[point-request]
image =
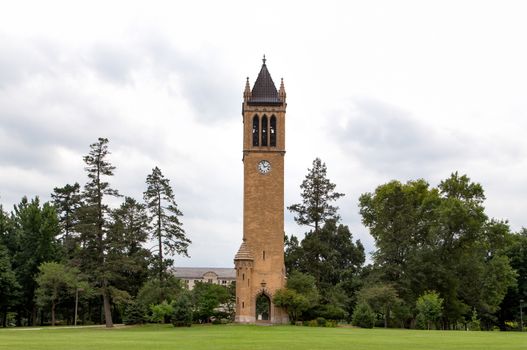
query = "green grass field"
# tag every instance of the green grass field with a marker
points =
(234, 337)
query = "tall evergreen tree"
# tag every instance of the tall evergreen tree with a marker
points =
(9, 286)
(317, 194)
(67, 201)
(8, 283)
(127, 257)
(36, 230)
(164, 216)
(94, 220)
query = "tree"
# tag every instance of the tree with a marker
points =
(8, 284)
(35, 241)
(161, 313)
(153, 292)
(516, 251)
(333, 259)
(363, 316)
(207, 299)
(127, 258)
(429, 307)
(317, 194)
(305, 285)
(292, 302)
(164, 216)
(382, 298)
(182, 315)
(94, 219)
(399, 217)
(67, 201)
(439, 239)
(55, 280)
(134, 313)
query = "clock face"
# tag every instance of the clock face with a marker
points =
(264, 167)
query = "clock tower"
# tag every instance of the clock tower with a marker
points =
(259, 262)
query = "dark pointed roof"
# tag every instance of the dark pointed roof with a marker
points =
(264, 91)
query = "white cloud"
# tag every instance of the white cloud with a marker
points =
(378, 90)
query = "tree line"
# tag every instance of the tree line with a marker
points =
(439, 260)
(78, 250)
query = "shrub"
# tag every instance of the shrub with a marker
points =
(474, 324)
(182, 312)
(363, 316)
(134, 313)
(321, 321)
(161, 312)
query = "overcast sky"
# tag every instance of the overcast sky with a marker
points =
(379, 90)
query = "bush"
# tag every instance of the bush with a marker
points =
(321, 321)
(474, 324)
(182, 314)
(161, 312)
(134, 313)
(363, 316)
(331, 324)
(332, 312)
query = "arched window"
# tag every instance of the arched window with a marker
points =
(272, 130)
(264, 130)
(256, 131)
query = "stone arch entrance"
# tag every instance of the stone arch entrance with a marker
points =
(263, 308)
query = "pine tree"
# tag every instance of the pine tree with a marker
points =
(36, 229)
(164, 216)
(94, 223)
(67, 201)
(317, 194)
(127, 257)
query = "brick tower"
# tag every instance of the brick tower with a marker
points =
(259, 262)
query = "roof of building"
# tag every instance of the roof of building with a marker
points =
(199, 272)
(264, 91)
(244, 253)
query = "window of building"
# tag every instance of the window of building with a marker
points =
(256, 131)
(264, 130)
(272, 131)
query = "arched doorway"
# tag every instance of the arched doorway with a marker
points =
(263, 308)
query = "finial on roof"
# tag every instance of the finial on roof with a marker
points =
(247, 91)
(281, 92)
(264, 59)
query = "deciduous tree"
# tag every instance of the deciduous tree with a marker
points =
(55, 281)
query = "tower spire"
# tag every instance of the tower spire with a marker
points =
(264, 59)
(247, 91)
(281, 92)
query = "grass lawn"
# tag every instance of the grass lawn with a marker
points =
(234, 337)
